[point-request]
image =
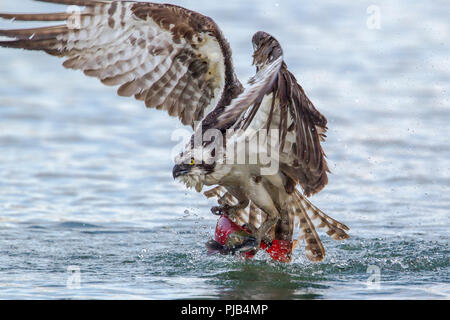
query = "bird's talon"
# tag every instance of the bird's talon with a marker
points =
(250, 227)
(218, 211)
(268, 240)
(227, 210)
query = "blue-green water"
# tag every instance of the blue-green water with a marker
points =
(85, 176)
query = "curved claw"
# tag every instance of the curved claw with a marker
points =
(225, 209)
(250, 228)
(268, 240)
(218, 211)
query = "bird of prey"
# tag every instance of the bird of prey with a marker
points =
(272, 101)
(178, 60)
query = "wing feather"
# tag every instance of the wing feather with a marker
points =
(75, 2)
(59, 16)
(145, 49)
(258, 86)
(275, 100)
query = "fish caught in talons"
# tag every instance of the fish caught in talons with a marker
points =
(232, 239)
(237, 242)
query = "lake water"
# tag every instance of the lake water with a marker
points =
(86, 182)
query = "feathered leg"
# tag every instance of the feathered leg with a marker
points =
(262, 199)
(231, 210)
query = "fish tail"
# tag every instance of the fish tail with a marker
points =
(215, 247)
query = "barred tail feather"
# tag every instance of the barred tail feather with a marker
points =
(314, 247)
(335, 229)
(299, 207)
(299, 210)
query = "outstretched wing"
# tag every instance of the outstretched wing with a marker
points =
(170, 57)
(281, 104)
(258, 86)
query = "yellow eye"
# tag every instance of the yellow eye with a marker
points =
(192, 162)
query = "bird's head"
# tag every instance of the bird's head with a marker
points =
(192, 170)
(266, 49)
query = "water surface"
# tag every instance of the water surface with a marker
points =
(85, 176)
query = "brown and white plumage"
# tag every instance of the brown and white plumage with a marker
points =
(178, 60)
(273, 101)
(303, 214)
(167, 56)
(301, 126)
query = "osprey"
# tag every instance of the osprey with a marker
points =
(178, 60)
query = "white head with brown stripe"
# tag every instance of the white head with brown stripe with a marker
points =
(200, 165)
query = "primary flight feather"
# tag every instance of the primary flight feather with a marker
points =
(178, 60)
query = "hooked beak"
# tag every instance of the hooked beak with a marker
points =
(180, 170)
